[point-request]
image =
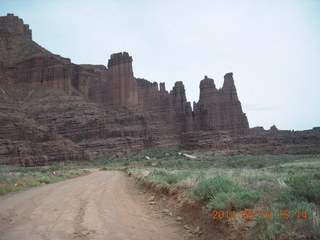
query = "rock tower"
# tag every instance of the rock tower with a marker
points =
(123, 86)
(11, 25)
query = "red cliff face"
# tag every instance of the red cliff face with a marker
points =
(105, 109)
(24, 142)
(24, 61)
(116, 86)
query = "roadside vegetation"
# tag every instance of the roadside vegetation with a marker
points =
(285, 190)
(13, 179)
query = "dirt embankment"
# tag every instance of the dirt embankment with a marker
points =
(193, 216)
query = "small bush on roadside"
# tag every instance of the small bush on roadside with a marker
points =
(13, 179)
(5, 188)
(45, 180)
(210, 187)
(33, 183)
(130, 171)
(164, 177)
(224, 194)
(240, 199)
(268, 229)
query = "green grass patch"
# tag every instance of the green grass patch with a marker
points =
(263, 183)
(306, 186)
(224, 194)
(164, 177)
(297, 226)
(13, 179)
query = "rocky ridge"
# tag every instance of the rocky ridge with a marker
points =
(100, 109)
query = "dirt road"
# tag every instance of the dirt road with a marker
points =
(98, 206)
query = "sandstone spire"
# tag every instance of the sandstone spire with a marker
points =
(219, 109)
(122, 84)
(229, 89)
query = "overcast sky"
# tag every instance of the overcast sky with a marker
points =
(271, 46)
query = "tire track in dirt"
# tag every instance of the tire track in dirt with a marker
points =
(98, 206)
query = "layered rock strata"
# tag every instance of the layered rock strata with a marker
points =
(24, 142)
(220, 109)
(166, 115)
(103, 108)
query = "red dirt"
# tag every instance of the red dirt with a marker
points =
(102, 205)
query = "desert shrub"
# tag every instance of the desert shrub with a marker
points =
(188, 183)
(130, 171)
(316, 226)
(264, 183)
(239, 199)
(260, 177)
(210, 187)
(2, 191)
(48, 180)
(158, 172)
(72, 173)
(224, 194)
(164, 177)
(45, 180)
(287, 196)
(32, 183)
(291, 228)
(254, 162)
(126, 163)
(306, 185)
(268, 229)
(5, 188)
(164, 153)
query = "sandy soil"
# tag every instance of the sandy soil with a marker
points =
(102, 205)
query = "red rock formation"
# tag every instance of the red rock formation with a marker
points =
(220, 109)
(24, 142)
(90, 81)
(117, 87)
(273, 141)
(11, 25)
(160, 119)
(121, 87)
(104, 109)
(24, 61)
